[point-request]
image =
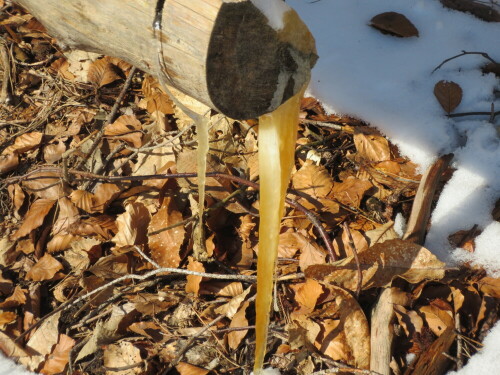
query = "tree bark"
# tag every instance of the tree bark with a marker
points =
(222, 52)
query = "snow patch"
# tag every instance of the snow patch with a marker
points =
(273, 10)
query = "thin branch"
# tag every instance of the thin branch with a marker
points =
(463, 114)
(138, 249)
(484, 54)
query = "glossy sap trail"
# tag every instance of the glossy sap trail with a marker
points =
(277, 136)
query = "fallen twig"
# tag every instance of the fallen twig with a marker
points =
(484, 54)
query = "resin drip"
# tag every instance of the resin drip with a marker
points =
(277, 136)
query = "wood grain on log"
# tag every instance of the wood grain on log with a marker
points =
(221, 52)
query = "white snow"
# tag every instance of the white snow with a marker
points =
(388, 82)
(487, 361)
(273, 10)
(7, 367)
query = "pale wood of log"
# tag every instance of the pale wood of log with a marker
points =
(382, 334)
(221, 52)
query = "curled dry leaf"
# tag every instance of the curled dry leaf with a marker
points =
(155, 99)
(45, 269)
(7, 317)
(351, 191)
(17, 298)
(188, 369)
(34, 217)
(46, 185)
(371, 147)
(310, 253)
(8, 162)
(239, 320)
(102, 225)
(165, 245)
(59, 358)
(437, 319)
(230, 308)
(380, 264)
(25, 143)
(54, 152)
(126, 128)
(132, 226)
(68, 214)
(82, 199)
(222, 288)
(394, 24)
(102, 72)
(348, 337)
(61, 67)
(307, 294)
(193, 282)
(448, 94)
(312, 180)
(17, 197)
(103, 196)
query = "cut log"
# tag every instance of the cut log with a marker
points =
(222, 52)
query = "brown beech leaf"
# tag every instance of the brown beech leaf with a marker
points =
(54, 152)
(380, 264)
(60, 66)
(350, 191)
(437, 319)
(155, 99)
(102, 225)
(394, 24)
(7, 317)
(222, 288)
(47, 185)
(372, 147)
(17, 298)
(188, 369)
(103, 72)
(25, 143)
(8, 162)
(448, 94)
(132, 225)
(312, 180)
(490, 286)
(193, 282)
(44, 269)
(103, 196)
(347, 338)
(239, 320)
(165, 245)
(60, 242)
(34, 217)
(307, 294)
(122, 354)
(68, 214)
(126, 128)
(310, 252)
(82, 199)
(57, 360)
(17, 197)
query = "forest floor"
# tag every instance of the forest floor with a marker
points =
(100, 273)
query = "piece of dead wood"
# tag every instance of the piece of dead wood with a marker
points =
(434, 360)
(421, 210)
(382, 333)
